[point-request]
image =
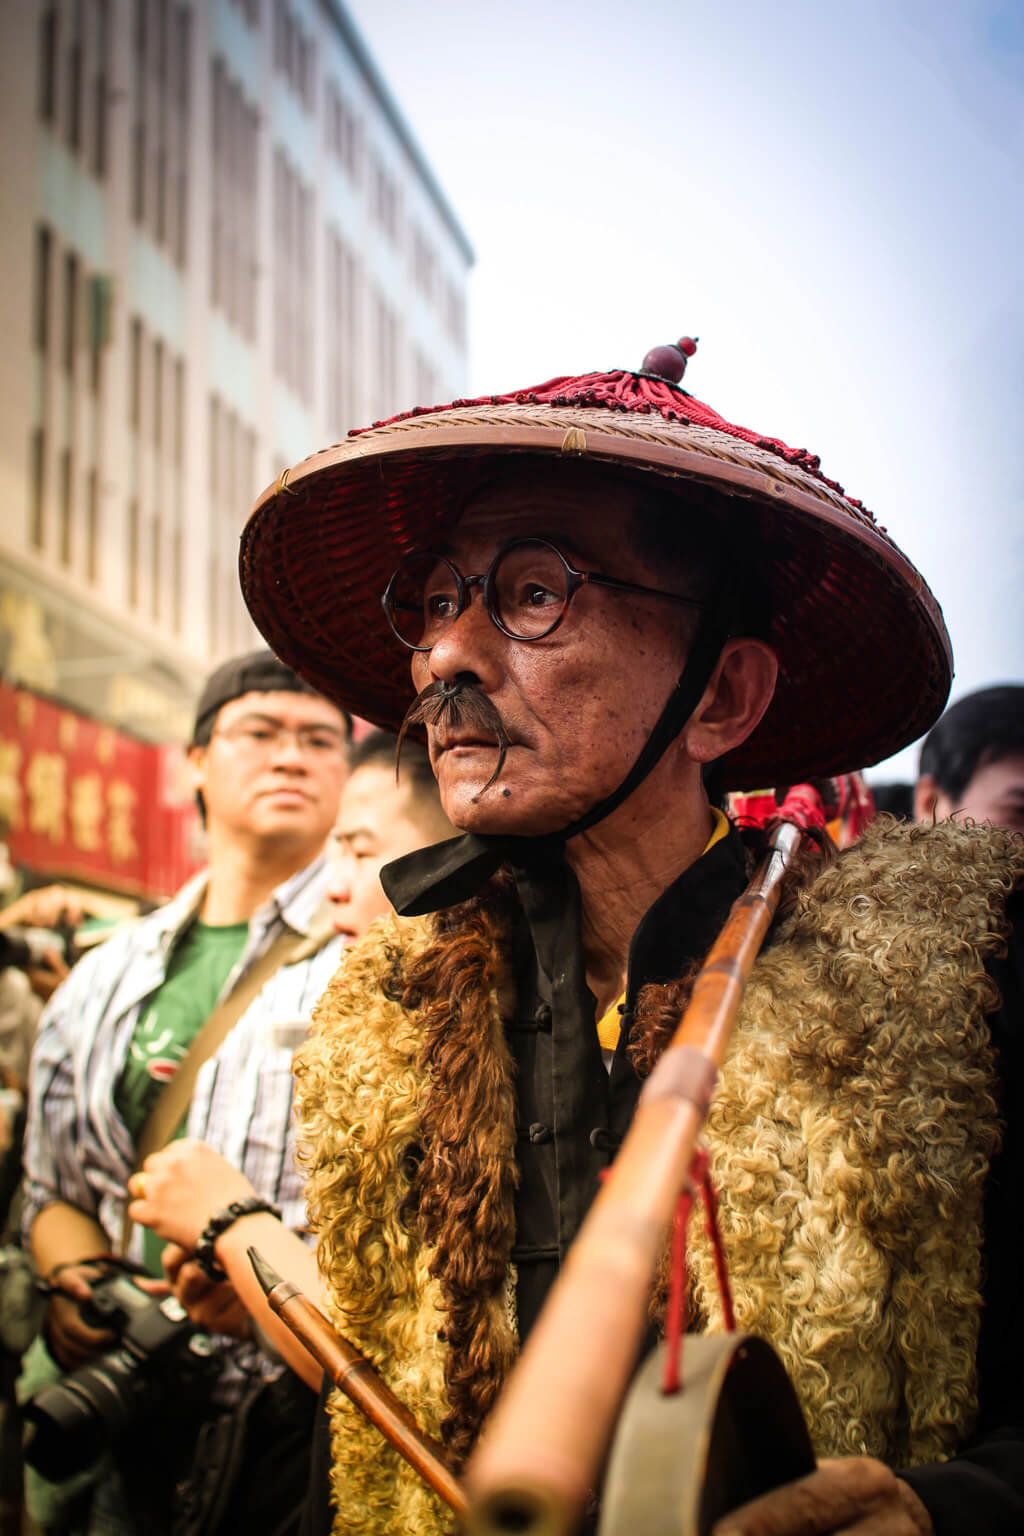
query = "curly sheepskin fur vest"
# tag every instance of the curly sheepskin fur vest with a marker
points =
(850, 1139)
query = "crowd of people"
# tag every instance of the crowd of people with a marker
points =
(395, 1033)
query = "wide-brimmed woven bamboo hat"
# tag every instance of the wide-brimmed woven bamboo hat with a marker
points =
(865, 660)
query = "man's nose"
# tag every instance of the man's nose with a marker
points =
(288, 752)
(469, 646)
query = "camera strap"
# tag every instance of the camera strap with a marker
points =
(172, 1105)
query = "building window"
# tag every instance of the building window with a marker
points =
(158, 395)
(101, 298)
(426, 380)
(70, 312)
(424, 264)
(182, 22)
(43, 276)
(250, 10)
(75, 65)
(343, 131)
(386, 356)
(48, 64)
(160, 131)
(37, 484)
(455, 314)
(342, 321)
(133, 552)
(156, 566)
(66, 498)
(235, 224)
(294, 55)
(135, 375)
(176, 577)
(293, 277)
(139, 166)
(44, 260)
(232, 470)
(101, 89)
(179, 411)
(178, 493)
(92, 532)
(385, 201)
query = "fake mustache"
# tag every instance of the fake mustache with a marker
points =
(457, 705)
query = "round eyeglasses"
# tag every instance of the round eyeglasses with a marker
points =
(527, 589)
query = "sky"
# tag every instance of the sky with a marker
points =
(830, 196)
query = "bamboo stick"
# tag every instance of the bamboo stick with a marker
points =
(356, 1377)
(546, 1441)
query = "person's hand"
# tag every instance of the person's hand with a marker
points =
(71, 1341)
(179, 1188)
(211, 1305)
(854, 1496)
(46, 978)
(46, 907)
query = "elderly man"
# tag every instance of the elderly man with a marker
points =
(608, 598)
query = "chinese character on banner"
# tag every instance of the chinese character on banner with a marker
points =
(46, 782)
(10, 789)
(86, 811)
(121, 842)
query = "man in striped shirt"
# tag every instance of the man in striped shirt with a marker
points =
(268, 759)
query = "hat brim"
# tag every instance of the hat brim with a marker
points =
(865, 660)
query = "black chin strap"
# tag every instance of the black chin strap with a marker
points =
(453, 871)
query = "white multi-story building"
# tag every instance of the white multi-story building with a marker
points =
(221, 249)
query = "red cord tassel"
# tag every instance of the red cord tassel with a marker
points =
(699, 1182)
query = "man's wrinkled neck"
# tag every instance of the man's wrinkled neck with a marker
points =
(625, 863)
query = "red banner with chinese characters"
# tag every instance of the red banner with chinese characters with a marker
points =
(82, 801)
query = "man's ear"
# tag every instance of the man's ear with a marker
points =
(734, 701)
(931, 804)
(195, 761)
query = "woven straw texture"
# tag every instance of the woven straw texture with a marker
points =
(865, 658)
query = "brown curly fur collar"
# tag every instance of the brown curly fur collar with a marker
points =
(850, 1135)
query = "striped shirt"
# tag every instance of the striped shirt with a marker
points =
(77, 1148)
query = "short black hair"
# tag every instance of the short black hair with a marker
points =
(378, 748)
(256, 672)
(983, 728)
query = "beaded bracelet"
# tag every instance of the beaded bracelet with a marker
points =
(205, 1255)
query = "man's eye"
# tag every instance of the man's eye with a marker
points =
(534, 594)
(259, 733)
(319, 743)
(439, 606)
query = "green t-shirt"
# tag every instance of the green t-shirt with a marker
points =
(200, 965)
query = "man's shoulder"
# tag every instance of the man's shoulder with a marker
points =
(952, 869)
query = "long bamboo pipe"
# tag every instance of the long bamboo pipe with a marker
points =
(356, 1377)
(546, 1441)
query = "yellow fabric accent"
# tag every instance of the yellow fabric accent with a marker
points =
(608, 1026)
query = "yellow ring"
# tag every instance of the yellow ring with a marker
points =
(139, 1186)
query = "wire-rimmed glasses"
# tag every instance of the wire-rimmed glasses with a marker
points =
(527, 589)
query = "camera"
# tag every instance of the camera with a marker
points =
(161, 1359)
(25, 948)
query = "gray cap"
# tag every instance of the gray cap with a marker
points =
(257, 672)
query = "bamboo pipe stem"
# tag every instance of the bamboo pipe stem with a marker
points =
(356, 1377)
(547, 1439)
